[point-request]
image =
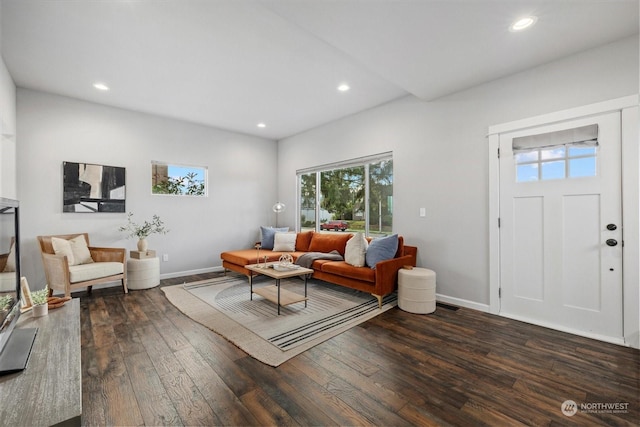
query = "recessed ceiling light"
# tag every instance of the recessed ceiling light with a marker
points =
(343, 87)
(262, 125)
(523, 23)
(101, 86)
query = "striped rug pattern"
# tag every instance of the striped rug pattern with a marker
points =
(224, 305)
(311, 330)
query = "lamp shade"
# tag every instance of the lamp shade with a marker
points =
(279, 207)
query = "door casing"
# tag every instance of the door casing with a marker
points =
(628, 106)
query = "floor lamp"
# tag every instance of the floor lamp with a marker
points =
(277, 208)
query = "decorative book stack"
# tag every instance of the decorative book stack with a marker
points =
(142, 254)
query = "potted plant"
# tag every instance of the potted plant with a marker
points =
(5, 302)
(39, 301)
(144, 230)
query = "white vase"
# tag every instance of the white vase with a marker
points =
(40, 310)
(142, 245)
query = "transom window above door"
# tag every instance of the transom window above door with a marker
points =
(570, 153)
(556, 163)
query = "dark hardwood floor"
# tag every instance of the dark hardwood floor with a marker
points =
(145, 363)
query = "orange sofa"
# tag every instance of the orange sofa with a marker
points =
(378, 281)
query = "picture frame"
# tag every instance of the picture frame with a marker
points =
(25, 295)
(93, 188)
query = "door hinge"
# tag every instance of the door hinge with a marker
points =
(498, 153)
(499, 292)
(498, 222)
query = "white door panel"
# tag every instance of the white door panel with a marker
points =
(528, 248)
(556, 267)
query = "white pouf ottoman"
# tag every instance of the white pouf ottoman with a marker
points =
(417, 290)
(143, 273)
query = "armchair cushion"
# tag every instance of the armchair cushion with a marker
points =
(96, 270)
(75, 249)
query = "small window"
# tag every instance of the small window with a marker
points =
(178, 180)
(559, 162)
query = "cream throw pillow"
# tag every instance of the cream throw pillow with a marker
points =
(284, 242)
(80, 250)
(75, 249)
(63, 247)
(356, 249)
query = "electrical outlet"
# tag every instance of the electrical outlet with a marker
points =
(165, 257)
(423, 212)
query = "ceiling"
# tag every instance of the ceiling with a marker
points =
(232, 64)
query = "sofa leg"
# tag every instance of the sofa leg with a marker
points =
(379, 300)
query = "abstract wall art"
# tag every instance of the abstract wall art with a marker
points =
(93, 188)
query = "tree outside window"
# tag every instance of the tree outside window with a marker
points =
(342, 192)
(178, 180)
(381, 197)
(360, 194)
(308, 201)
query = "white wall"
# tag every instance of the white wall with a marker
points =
(440, 155)
(54, 129)
(7, 134)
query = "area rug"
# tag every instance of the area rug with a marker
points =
(224, 305)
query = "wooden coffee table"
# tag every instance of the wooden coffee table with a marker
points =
(273, 293)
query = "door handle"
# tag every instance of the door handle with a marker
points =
(612, 242)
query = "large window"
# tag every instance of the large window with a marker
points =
(354, 195)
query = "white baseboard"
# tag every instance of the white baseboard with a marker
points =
(462, 303)
(191, 272)
(633, 339)
(573, 331)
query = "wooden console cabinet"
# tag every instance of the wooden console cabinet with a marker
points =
(49, 390)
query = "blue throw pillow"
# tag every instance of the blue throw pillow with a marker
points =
(267, 234)
(381, 249)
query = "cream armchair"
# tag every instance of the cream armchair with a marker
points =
(70, 269)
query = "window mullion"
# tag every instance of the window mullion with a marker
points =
(318, 193)
(539, 164)
(366, 199)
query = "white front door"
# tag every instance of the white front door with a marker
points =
(561, 230)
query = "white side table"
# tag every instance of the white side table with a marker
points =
(417, 290)
(143, 273)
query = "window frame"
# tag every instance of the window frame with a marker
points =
(199, 169)
(566, 158)
(364, 162)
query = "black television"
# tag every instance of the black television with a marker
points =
(15, 344)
